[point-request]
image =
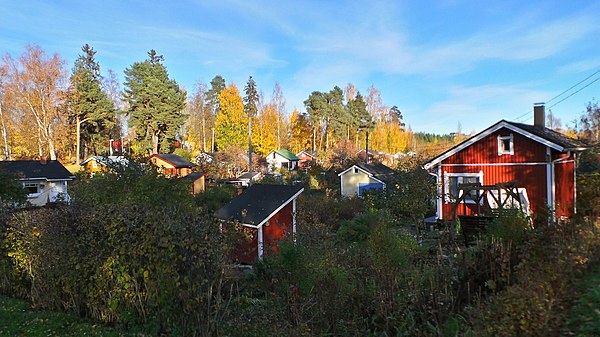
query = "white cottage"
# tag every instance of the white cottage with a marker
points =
(282, 159)
(46, 181)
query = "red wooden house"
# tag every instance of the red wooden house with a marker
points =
(171, 165)
(306, 158)
(267, 214)
(533, 157)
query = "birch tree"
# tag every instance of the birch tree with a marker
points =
(38, 82)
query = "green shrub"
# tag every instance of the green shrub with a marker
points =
(144, 256)
(511, 225)
(359, 228)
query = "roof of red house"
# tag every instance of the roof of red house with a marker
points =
(542, 135)
(258, 203)
(36, 169)
(551, 135)
(194, 175)
(306, 152)
(175, 160)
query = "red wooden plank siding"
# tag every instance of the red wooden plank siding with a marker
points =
(531, 173)
(565, 187)
(279, 226)
(246, 249)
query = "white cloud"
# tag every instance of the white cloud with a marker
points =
(478, 107)
(586, 65)
(389, 51)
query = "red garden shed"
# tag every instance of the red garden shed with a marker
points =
(267, 214)
(537, 159)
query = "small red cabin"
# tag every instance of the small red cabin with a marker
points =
(306, 158)
(267, 214)
(533, 157)
(171, 165)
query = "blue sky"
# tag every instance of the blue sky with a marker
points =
(441, 62)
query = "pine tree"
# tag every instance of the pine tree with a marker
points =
(212, 101)
(155, 103)
(92, 110)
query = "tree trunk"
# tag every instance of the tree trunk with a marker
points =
(203, 133)
(250, 149)
(314, 142)
(4, 135)
(51, 148)
(40, 142)
(78, 132)
(278, 133)
(154, 143)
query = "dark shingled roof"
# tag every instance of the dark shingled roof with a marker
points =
(194, 175)
(34, 169)
(175, 160)
(247, 175)
(377, 169)
(552, 136)
(257, 203)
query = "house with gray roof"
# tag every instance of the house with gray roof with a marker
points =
(362, 177)
(266, 214)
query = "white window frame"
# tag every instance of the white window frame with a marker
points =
(40, 188)
(447, 197)
(511, 145)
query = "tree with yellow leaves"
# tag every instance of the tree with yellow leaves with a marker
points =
(301, 132)
(37, 84)
(231, 124)
(265, 134)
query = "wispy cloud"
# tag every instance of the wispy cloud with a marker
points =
(388, 51)
(586, 65)
(479, 106)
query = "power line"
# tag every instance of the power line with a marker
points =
(573, 86)
(523, 115)
(528, 113)
(587, 85)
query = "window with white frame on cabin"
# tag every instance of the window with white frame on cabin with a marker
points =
(356, 170)
(33, 188)
(454, 182)
(506, 145)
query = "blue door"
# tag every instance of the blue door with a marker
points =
(362, 187)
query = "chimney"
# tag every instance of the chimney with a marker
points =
(43, 161)
(539, 115)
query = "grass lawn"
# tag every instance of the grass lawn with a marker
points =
(584, 316)
(17, 319)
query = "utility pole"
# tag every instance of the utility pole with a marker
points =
(367, 147)
(250, 149)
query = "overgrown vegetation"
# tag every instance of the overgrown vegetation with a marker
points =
(125, 253)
